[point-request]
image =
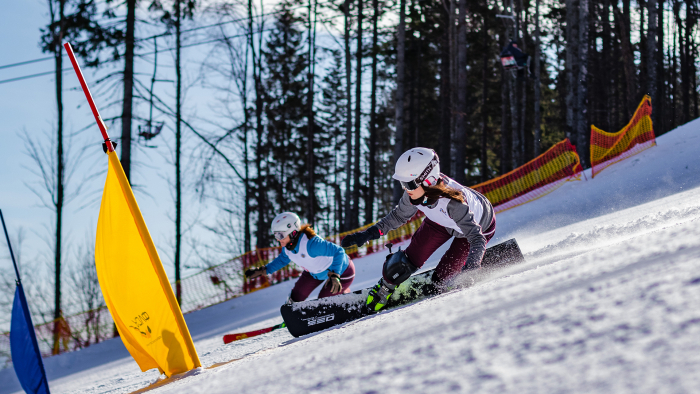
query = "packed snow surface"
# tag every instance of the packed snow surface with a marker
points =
(607, 302)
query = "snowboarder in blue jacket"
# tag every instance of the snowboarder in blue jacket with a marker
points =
(321, 260)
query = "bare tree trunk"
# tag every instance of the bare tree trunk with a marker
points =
(515, 100)
(400, 67)
(257, 75)
(651, 54)
(627, 57)
(684, 35)
(454, 111)
(582, 91)
(246, 124)
(506, 149)
(416, 90)
(514, 118)
(461, 105)
(693, 73)
(538, 117)
(60, 166)
(409, 120)
(593, 92)
(571, 68)
(484, 98)
(682, 55)
(310, 129)
(522, 88)
(128, 87)
(607, 80)
(285, 132)
(642, 45)
(347, 224)
(692, 18)
(358, 119)
(247, 244)
(506, 159)
(445, 92)
(178, 154)
(659, 107)
(369, 202)
(673, 78)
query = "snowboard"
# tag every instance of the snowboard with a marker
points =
(306, 317)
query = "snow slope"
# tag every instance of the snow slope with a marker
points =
(608, 301)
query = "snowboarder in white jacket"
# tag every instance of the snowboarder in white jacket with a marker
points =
(320, 259)
(451, 211)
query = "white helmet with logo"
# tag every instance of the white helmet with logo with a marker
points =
(284, 224)
(417, 166)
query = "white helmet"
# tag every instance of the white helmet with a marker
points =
(417, 166)
(284, 224)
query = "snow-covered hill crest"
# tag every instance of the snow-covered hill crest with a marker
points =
(607, 302)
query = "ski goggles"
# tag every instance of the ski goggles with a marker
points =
(280, 235)
(410, 185)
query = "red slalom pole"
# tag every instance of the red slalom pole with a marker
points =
(88, 95)
(228, 338)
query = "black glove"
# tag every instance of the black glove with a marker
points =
(251, 273)
(333, 282)
(360, 238)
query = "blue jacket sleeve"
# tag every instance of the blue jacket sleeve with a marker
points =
(320, 247)
(278, 263)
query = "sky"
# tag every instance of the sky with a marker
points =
(29, 106)
(25, 105)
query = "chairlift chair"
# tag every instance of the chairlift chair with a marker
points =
(149, 132)
(512, 58)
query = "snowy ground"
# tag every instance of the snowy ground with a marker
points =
(608, 301)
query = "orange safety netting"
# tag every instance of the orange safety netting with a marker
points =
(74, 332)
(538, 177)
(610, 148)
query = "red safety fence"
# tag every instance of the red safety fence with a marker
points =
(536, 178)
(74, 332)
(610, 148)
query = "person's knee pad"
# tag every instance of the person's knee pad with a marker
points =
(398, 268)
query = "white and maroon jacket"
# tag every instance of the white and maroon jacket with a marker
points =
(461, 220)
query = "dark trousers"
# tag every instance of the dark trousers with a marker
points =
(307, 283)
(430, 236)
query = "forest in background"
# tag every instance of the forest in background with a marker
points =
(316, 99)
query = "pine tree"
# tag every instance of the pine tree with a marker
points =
(286, 113)
(332, 119)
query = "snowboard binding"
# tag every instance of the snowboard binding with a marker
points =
(398, 268)
(379, 296)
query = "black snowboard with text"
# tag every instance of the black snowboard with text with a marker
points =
(311, 316)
